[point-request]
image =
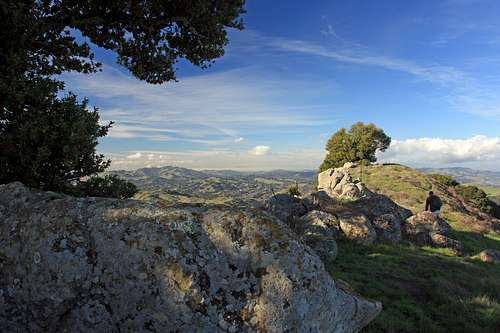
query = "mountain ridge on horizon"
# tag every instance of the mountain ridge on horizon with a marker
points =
(461, 174)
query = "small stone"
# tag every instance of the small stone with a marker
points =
(490, 255)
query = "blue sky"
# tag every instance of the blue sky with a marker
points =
(427, 72)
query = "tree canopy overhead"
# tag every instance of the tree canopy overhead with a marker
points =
(360, 143)
(49, 142)
(148, 36)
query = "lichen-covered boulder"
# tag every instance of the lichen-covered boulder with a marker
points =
(387, 227)
(107, 265)
(425, 222)
(285, 207)
(376, 205)
(490, 255)
(357, 227)
(425, 228)
(440, 240)
(325, 247)
(319, 230)
(319, 223)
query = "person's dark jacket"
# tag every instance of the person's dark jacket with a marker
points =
(433, 203)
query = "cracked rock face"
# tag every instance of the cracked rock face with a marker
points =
(338, 183)
(106, 265)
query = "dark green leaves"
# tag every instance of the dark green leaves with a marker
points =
(360, 143)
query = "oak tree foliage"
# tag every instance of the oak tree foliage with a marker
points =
(49, 141)
(359, 143)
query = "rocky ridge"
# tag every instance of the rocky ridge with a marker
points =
(359, 214)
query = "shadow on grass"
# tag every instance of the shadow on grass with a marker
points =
(474, 243)
(423, 290)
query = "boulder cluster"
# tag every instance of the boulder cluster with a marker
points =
(347, 208)
(106, 265)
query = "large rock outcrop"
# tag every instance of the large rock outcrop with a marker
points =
(105, 265)
(339, 183)
(366, 216)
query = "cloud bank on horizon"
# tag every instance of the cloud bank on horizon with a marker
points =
(477, 152)
(428, 77)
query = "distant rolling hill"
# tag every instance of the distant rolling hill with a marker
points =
(466, 175)
(169, 185)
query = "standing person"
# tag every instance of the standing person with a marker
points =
(433, 204)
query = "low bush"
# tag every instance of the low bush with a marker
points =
(479, 199)
(444, 179)
(293, 190)
(109, 186)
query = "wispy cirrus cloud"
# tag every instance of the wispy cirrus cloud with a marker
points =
(212, 109)
(458, 86)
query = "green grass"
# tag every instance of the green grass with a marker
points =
(422, 289)
(404, 185)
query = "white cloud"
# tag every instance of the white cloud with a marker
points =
(442, 152)
(260, 150)
(135, 156)
(238, 140)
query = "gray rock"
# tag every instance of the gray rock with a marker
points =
(425, 222)
(127, 266)
(285, 207)
(357, 227)
(319, 230)
(338, 183)
(490, 255)
(425, 228)
(319, 223)
(440, 240)
(387, 227)
(326, 248)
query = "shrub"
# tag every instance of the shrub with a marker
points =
(444, 179)
(479, 199)
(109, 186)
(293, 190)
(51, 146)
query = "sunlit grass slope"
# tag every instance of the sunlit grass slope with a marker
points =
(423, 289)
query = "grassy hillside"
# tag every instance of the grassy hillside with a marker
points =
(424, 289)
(409, 188)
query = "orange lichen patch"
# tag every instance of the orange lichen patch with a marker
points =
(175, 272)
